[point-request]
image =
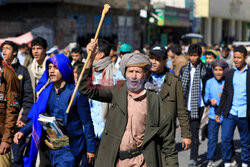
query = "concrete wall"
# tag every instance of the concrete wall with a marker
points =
(16, 19)
(201, 8)
(231, 9)
(11, 28)
(65, 31)
(32, 1)
(172, 3)
(134, 4)
(226, 9)
(233, 15)
(64, 10)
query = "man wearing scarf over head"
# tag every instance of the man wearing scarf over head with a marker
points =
(53, 101)
(138, 125)
(103, 73)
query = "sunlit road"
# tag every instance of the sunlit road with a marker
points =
(184, 155)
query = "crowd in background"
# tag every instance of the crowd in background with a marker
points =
(204, 87)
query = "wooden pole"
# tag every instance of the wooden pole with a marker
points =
(104, 12)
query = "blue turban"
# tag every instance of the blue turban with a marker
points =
(64, 66)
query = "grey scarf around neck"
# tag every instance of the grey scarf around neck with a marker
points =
(99, 66)
(102, 64)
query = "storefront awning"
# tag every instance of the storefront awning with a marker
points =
(25, 38)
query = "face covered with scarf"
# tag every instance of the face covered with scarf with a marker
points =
(135, 68)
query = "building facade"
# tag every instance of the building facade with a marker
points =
(223, 21)
(65, 21)
(172, 20)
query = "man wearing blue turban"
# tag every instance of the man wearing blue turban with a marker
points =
(55, 89)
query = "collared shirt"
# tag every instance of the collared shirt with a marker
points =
(213, 91)
(159, 79)
(21, 57)
(40, 69)
(201, 103)
(135, 130)
(96, 110)
(96, 106)
(239, 104)
(73, 62)
(56, 102)
(118, 76)
(168, 63)
(117, 63)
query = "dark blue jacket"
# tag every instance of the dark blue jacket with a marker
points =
(78, 123)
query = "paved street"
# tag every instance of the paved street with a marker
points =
(184, 155)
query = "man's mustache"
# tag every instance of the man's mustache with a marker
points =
(137, 80)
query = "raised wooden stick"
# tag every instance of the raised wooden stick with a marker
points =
(104, 11)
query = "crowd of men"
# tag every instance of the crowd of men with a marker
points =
(127, 107)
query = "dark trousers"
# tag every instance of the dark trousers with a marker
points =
(213, 130)
(194, 127)
(63, 157)
(44, 153)
(18, 150)
(228, 127)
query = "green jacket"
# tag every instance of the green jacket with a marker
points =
(172, 95)
(159, 133)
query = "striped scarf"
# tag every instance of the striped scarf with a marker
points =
(195, 90)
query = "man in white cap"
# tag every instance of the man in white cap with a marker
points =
(138, 125)
(52, 51)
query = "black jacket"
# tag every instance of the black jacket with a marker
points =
(206, 73)
(26, 91)
(228, 92)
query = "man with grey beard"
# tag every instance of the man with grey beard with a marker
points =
(138, 125)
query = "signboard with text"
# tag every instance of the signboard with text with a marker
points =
(170, 16)
(176, 17)
(160, 14)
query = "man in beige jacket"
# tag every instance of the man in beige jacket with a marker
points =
(179, 59)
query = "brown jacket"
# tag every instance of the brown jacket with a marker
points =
(172, 95)
(178, 63)
(9, 103)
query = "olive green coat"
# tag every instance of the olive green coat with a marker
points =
(159, 133)
(172, 95)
